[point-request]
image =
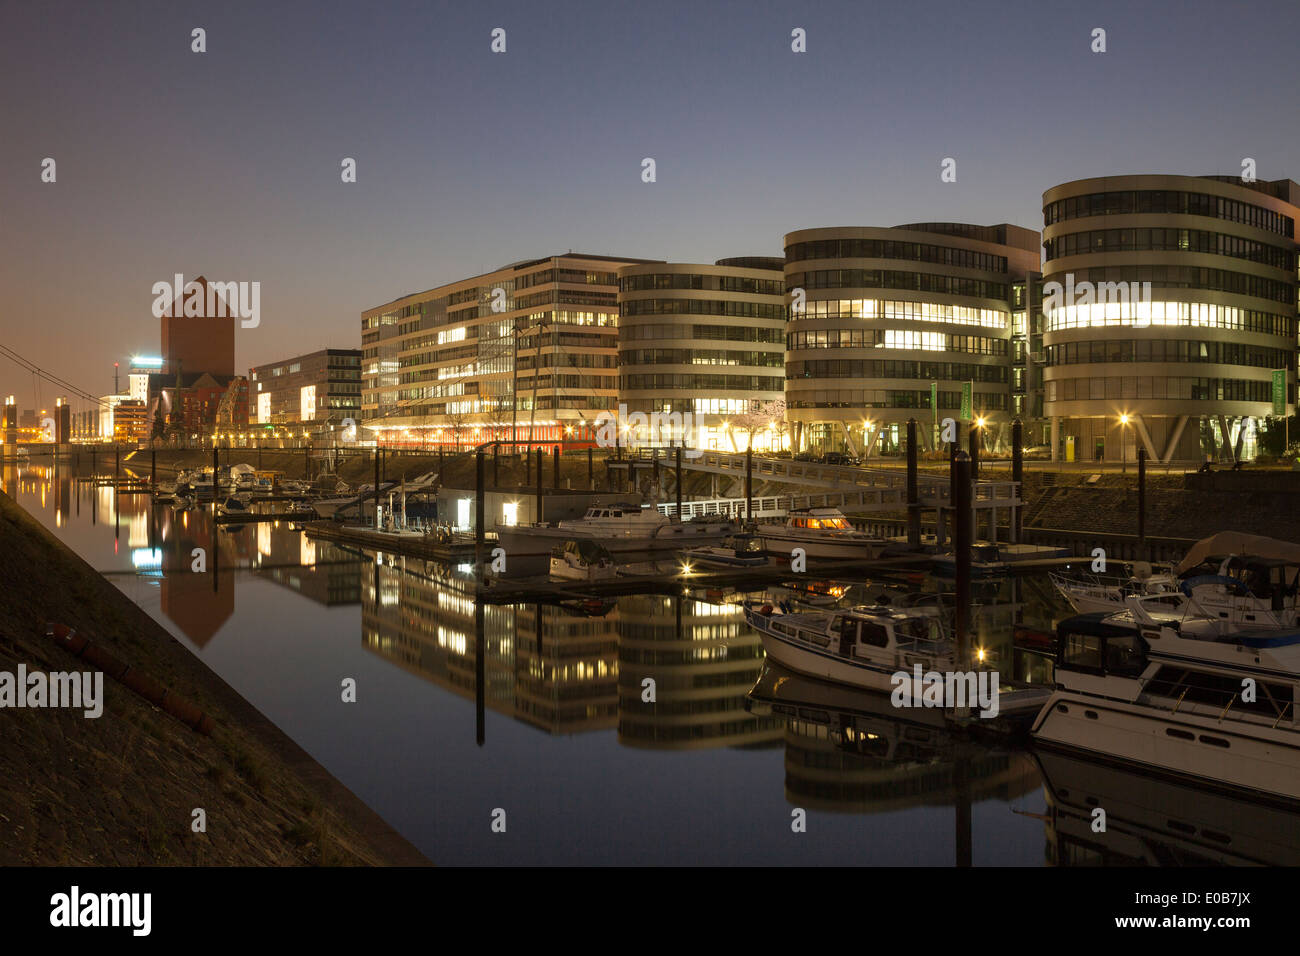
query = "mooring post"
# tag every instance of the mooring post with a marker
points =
(153, 469)
(1017, 476)
(976, 435)
(679, 483)
(591, 470)
(214, 480)
(1142, 503)
(480, 507)
(749, 482)
(962, 535)
(556, 467)
(913, 490)
(496, 466)
(376, 483)
(539, 484)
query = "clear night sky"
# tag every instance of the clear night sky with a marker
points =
(227, 163)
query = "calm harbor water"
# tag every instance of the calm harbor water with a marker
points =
(584, 769)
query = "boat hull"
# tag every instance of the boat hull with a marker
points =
(827, 666)
(821, 548)
(1231, 755)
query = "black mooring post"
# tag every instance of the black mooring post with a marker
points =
(528, 468)
(976, 435)
(679, 483)
(556, 467)
(480, 673)
(1018, 469)
(496, 466)
(480, 508)
(591, 469)
(1142, 502)
(153, 469)
(376, 484)
(963, 533)
(117, 462)
(954, 447)
(214, 480)
(913, 489)
(749, 482)
(539, 484)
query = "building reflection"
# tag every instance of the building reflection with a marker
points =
(703, 658)
(550, 667)
(318, 570)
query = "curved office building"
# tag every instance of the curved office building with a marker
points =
(706, 343)
(1169, 302)
(882, 318)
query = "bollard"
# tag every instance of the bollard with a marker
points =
(1142, 502)
(679, 483)
(749, 482)
(963, 533)
(913, 489)
(1017, 473)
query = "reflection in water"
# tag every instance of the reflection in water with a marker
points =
(703, 659)
(1154, 821)
(846, 750)
(776, 739)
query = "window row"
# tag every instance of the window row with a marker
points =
(727, 333)
(775, 359)
(1180, 240)
(907, 311)
(894, 249)
(895, 339)
(747, 383)
(1196, 314)
(1167, 202)
(672, 280)
(753, 310)
(1158, 387)
(891, 279)
(1164, 350)
(896, 368)
(1191, 277)
(849, 398)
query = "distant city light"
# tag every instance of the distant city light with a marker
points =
(146, 361)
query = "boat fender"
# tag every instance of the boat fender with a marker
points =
(765, 610)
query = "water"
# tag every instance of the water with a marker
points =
(585, 771)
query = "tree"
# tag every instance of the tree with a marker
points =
(762, 417)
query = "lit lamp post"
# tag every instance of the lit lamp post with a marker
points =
(1123, 446)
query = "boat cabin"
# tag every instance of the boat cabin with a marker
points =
(1092, 644)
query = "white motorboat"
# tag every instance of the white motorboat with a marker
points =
(822, 533)
(1243, 582)
(623, 529)
(860, 647)
(1178, 695)
(582, 560)
(737, 551)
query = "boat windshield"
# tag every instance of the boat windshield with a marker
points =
(826, 524)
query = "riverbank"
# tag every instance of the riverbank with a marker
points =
(121, 789)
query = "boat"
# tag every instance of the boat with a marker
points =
(868, 647)
(233, 506)
(1177, 695)
(861, 647)
(582, 560)
(822, 533)
(1092, 592)
(737, 551)
(985, 559)
(624, 529)
(1243, 582)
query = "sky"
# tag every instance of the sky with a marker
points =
(227, 163)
